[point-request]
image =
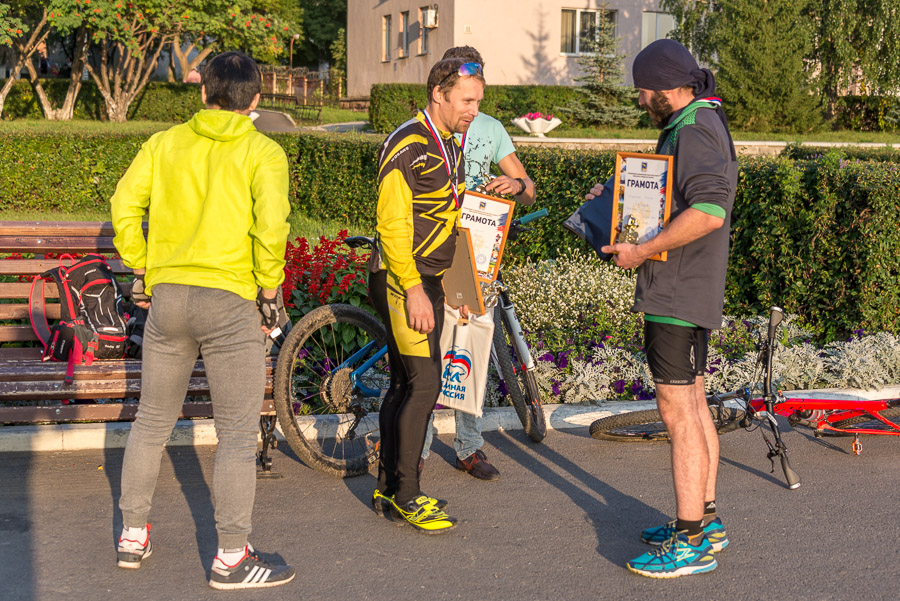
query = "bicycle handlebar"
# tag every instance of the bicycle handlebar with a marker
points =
(774, 320)
(532, 216)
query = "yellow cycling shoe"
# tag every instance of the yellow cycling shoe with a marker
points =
(423, 514)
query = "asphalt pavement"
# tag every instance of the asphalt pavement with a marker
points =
(559, 524)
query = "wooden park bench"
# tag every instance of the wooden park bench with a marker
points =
(33, 391)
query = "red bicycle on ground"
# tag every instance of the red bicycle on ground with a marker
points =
(825, 416)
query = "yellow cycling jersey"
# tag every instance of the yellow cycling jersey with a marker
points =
(417, 212)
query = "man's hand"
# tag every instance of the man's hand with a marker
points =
(596, 191)
(503, 184)
(137, 290)
(419, 310)
(464, 311)
(626, 256)
(268, 307)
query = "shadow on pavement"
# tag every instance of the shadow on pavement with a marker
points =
(603, 504)
(17, 579)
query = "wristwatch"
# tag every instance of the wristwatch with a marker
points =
(524, 187)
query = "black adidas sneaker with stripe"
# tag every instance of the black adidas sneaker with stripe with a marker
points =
(250, 572)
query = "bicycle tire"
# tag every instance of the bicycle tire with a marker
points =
(862, 419)
(647, 425)
(520, 384)
(314, 403)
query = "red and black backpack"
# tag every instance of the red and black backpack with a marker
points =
(92, 319)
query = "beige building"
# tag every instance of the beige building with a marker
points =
(522, 41)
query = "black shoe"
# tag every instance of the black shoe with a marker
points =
(250, 572)
(478, 465)
(130, 553)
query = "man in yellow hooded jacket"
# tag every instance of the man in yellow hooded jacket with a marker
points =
(215, 194)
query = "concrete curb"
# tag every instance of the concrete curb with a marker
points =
(76, 437)
(110, 435)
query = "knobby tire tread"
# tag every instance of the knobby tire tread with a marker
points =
(602, 429)
(535, 431)
(309, 450)
(847, 423)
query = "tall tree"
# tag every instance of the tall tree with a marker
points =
(605, 101)
(218, 25)
(762, 73)
(12, 29)
(853, 41)
(322, 22)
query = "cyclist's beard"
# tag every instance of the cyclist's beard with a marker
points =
(659, 109)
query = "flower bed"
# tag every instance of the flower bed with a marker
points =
(588, 344)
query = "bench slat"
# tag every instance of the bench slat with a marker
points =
(59, 244)
(23, 290)
(106, 369)
(103, 412)
(91, 389)
(58, 228)
(39, 266)
(17, 334)
(20, 310)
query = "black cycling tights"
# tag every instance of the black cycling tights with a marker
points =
(415, 365)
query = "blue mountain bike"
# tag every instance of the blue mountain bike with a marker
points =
(333, 372)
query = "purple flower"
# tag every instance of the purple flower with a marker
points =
(555, 388)
(619, 386)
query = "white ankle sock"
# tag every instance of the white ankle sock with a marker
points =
(136, 535)
(231, 557)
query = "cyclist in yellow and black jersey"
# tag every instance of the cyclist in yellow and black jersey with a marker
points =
(417, 209)
(421, 178)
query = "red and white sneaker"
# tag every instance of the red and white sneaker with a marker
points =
(130, 552)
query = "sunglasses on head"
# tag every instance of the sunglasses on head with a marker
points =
(464, 69)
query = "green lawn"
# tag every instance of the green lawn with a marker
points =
(853, 137)
(301, 225)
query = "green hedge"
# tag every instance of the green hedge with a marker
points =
(160, 101)
(820, 237)
(867, 113)
(852, 153)
(392, 104)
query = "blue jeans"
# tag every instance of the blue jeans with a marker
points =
(468, 435)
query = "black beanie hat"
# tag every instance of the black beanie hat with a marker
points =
(666, 65)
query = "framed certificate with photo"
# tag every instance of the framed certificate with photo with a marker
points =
(487, 218)
(642, 198)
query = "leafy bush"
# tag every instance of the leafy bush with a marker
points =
(854, 153)
(392, 104)
(160, 101)
(818, 237)
(867, 113)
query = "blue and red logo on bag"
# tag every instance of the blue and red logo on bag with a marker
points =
(460, 363)
(457, 369)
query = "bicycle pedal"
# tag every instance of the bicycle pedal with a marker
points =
(856, 446)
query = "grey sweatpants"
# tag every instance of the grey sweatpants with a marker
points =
(225, 329)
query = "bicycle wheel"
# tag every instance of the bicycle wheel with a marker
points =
(329, 378)
(867, 422)
(647, 426)
(520, 384)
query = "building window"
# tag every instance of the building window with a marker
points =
(404, 34)
(386, 38)
(655, 26)
(423, 38)
(578, 27)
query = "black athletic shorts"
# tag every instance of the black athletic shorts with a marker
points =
(676, 354)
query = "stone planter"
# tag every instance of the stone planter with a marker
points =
(536, 127)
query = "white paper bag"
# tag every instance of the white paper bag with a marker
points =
(466, 353)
